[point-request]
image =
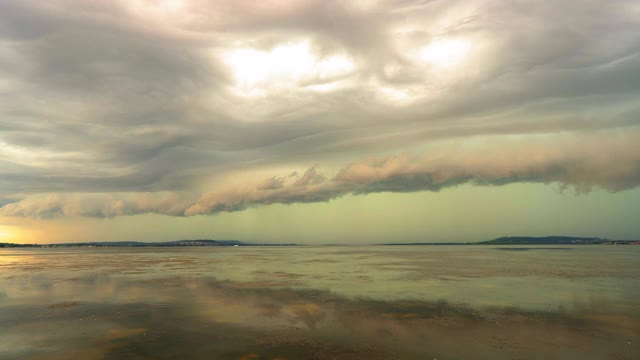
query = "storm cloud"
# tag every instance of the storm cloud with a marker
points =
(611, 162)
(181, 107)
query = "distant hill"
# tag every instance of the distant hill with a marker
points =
(545, 240)
(199, 243)
(165, 243)
(175, 243)
(427, 243)
(11, 245)
(532, 240)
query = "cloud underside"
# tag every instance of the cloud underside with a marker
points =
(609, 162)
(133, 106)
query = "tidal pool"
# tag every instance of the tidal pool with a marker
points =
(332, 302)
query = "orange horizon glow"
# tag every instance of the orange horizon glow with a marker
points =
(17, 234)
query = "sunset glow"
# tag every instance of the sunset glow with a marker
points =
(8, 234)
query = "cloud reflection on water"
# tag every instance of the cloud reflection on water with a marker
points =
(226, 304)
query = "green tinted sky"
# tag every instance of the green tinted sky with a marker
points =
(464, 213)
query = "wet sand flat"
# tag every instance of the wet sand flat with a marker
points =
(370, 302)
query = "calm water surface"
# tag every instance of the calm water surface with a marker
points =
(375, 302)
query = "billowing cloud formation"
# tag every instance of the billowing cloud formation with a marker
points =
(611, 162)
(125, 107)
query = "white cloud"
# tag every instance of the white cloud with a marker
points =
(284, 67)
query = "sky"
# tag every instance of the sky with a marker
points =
(318, 121)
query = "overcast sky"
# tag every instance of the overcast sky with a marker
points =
(318, 121)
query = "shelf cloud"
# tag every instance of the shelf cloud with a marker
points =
(610, 162)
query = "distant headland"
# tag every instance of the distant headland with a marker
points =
(176, 243)
(556, 240)
(532, 240)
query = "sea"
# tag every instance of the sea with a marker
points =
(321, 302)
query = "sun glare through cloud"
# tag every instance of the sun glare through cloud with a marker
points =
(257, 72)
(446, 53)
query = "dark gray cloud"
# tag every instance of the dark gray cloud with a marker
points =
(134, 97)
